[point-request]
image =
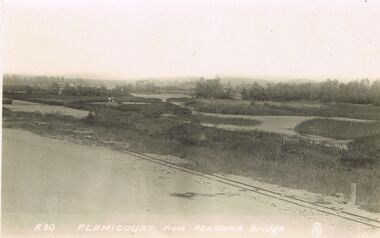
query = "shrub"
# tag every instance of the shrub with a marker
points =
(187, 134)
(91, 116)
(7, 101)
(363, 151)
(154, 110)
(356, 159)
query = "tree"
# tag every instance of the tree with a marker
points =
(256, 92)
(329, 90)
(375, 92)
(69, 90)
(54, 88)
(212, 88)
(202, 89)
(244, 94)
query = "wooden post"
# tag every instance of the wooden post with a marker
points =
(353, 194)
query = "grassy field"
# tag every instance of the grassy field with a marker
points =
(24, 106)
(65, 100)
(261, 155)
(341, 130)
(228, 121)
(238, 107)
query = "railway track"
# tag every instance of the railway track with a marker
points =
(374, 223)
(273, 194)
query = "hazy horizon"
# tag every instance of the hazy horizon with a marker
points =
(271, 40)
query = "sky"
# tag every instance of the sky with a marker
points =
(284, 39)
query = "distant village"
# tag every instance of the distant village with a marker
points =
(25, 84)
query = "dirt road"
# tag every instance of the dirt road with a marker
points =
(89, 191)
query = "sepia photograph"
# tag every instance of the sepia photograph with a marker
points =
(191, 118)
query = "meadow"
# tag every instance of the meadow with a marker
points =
(261, 155)
(341, 130)
(236, 107)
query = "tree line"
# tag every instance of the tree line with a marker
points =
(213, 88)
(70, 90)
(358, 91)
(82, 90)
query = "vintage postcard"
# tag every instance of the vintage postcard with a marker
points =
(193, 118)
